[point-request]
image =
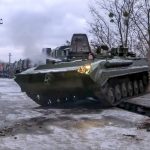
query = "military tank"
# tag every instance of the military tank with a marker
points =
(110, 76)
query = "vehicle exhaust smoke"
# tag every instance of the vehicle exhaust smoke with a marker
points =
(27, 31)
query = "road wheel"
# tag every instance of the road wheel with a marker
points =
(110, 96)
(141, 86)
(130, 88)
(117, 93)
(124, 90)
(135, 87)
(145, 80)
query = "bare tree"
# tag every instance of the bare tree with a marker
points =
(141, 19)
(100, 29)
(116, 25)
(121, 12)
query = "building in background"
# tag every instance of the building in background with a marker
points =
(8, 70)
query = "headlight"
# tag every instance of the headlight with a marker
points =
(84, 69)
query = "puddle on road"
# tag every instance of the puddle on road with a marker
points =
(43, 125)
(86, 124)
(79, 111)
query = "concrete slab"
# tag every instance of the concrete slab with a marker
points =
(141, 100)
(25, 125)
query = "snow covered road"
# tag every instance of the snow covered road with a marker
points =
(26, 126)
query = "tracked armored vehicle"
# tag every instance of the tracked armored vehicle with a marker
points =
(108, 76)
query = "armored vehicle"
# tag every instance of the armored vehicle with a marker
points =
(110, 76)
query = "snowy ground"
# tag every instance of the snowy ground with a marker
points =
(26, 126)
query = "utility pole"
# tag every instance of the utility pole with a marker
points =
(9, 58)
(9, 71)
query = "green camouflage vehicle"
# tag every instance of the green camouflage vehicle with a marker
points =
(108, 76)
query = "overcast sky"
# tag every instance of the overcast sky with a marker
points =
(30, 25)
